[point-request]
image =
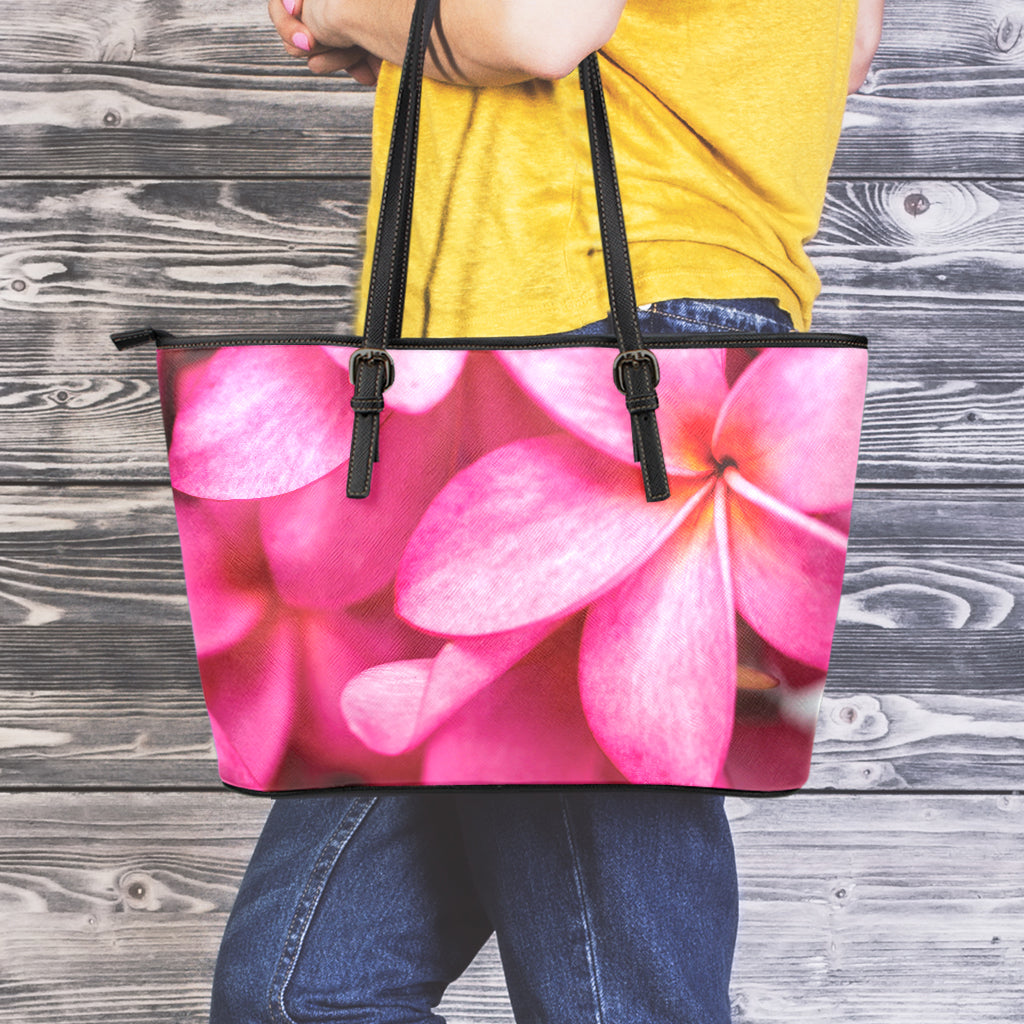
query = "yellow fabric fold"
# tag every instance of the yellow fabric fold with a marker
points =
(725, 116)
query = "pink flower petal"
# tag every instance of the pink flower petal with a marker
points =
(328, 551)
(527, 727)
(250, 690)
(337, 648)
(340, 646)
(787, 572)
(394, 707)
(381, 705)
(274, 699)
(495, 409)
(175, 367)
(532, 531)
(768, 754)
(422, 377)
(261, 420)
(575, 387)
(658, 659)
(226, 576)
(792, 425)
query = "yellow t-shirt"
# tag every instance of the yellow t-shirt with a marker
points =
(725, 116)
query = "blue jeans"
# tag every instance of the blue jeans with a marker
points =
(610, 904)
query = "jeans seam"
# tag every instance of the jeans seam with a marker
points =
(697, 322)
(588, 930)
(307, 905)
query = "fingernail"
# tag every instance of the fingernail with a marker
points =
(289, 6)
(301, 40)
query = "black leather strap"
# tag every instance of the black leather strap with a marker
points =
(386, 296)
(635, 370)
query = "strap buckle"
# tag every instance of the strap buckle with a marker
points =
(372, 355)
(635, 356)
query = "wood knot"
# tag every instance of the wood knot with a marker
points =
(1008, 34)
(19, 285)
(111, 118)
(138, 891)
(739, 1006)
(916, 204)
(841, 894)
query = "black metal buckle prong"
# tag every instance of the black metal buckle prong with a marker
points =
(636, 355)
(371, 354)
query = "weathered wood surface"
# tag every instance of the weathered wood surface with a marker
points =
(128, 894)
(134, 88)
(187, 33)
(931, 34)
(896, 904)
(105, 692)
(114, 120)
(197, 251)
(121, 708)
(102, 120)
(937, 426)
(919, 557)
(81, 258)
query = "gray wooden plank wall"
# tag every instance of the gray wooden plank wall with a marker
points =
(163, 160)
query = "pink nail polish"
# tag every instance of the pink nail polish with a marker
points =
(289, 6)
(301, 40)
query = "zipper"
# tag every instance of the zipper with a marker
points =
(164, 339)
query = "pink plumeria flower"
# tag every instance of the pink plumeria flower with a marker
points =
(545, 527)
(258, 447)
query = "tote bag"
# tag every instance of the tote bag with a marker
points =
(560, 559)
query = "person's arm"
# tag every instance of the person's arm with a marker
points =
(865, 42)
(477, 42)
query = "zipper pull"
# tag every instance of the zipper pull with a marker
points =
(143, 336)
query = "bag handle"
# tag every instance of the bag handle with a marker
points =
(371, 369)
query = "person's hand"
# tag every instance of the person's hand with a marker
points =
(324, 50)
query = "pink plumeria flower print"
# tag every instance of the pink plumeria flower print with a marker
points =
(505, 605)
(758, 468)
(273, 669)
(258, 446)
(253, 421)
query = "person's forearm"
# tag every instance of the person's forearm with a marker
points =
(865, 43)
(481, 42)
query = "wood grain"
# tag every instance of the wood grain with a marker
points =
(81, 258)
(101, 687)
(170, 33)
(120, 706)
(91, 554)
(167, 162)
(138, 248)
(933, 34)
(121, 119)
(941, 34)
(67, 724)
(849, 899)
(936, 427)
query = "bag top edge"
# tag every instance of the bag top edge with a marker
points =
(723, 339)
